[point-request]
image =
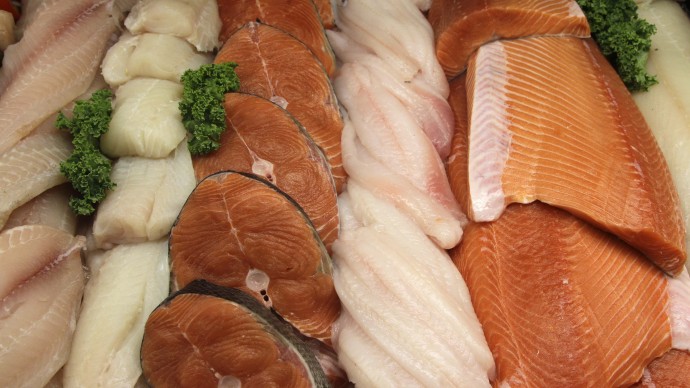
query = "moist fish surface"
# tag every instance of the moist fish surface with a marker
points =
(670, 370)
(276, 66)
(298, 18)
(264, 139)
(578, 143)
(561, 302)
(70, 35)
(30, 168)
(41, 287)
(50, 208)
(238, 230)
(461, 27)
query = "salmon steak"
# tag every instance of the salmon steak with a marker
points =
(264, 139)
(462, 26)
(237, 230)
(578, 143)
(556, 296)
(211, 336)
(276, 66)
(299, 18)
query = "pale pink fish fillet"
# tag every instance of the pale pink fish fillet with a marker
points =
(398, 33)
(441, 224)
(390, 133)
(395, 282)
(55, 62)
(51, 208)
(41, 287)
(679, 310)
(429, 108)
(30, 168)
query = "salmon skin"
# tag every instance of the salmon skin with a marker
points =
(237, 230)
(462, 26)
(276, 66)
(578, 143)
(299, 18)
(207, 335)
(556, 298)
(264, 139)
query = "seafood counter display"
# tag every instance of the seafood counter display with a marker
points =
(318, 193)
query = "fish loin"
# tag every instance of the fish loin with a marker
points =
(72, 37)
(141, 56)
(120, 295)
(41, 287)
(299, 18)
(147, 198)
(461, 27)
(30, 168)
(578, 143)
(278, 67)
(196, 21)
(146, 119)
(266, 140)
(555, 297)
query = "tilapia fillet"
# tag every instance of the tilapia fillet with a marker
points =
(556, 298)
(461, 27)
(41, 287)
(72, 37)
(577, 142)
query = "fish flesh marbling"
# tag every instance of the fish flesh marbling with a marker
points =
(41, 287)
(577, 142)
(70, 35)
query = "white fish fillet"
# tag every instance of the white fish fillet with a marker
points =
(150, 56)
(50, 208)
(197, 21)
(146, 119)
(666, 106)
(30, 168)
(398, 33)
(679, 310)
(72, 37)
(118, 299)
(406, 295)
(147, 199)
(440, 224)
(41, 286)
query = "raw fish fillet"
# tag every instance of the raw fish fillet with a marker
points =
(69, 35)
(326, 12)
(299, 18)
(456, 165)
(666, 106)
(461, 27)
(41, 287)
(390, 134)
(578, 143)
(264, 139)
(150, 55)
(50, 208)
(443, 226)
(148, 196)
(146, 119)
(408, 318)
(120, 295)
(679, 310)
(670, 370)
(30, 168)
(197, 21)
(276, 66)
(561, 302)
(396, 32)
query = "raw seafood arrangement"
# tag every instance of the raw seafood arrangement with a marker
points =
(309, 193)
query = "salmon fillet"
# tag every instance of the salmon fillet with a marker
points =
(462, 26)
(276, 66)
(555, 297)
(577, 142)
(670, 370)
(299, 18)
